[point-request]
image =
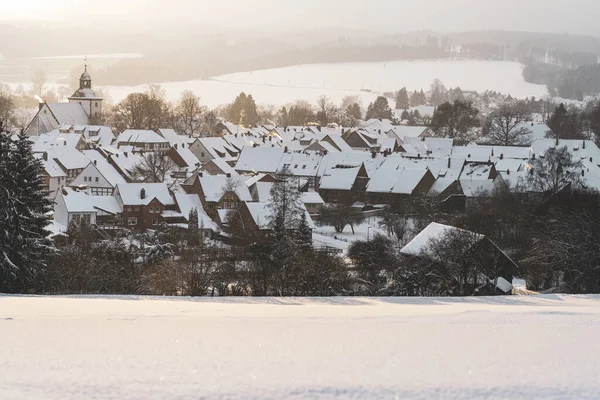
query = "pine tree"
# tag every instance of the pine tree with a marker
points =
(26, 246)
(304, 234)
(380, 109)
(402, 101)
(193, 230)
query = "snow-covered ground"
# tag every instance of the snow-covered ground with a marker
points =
(531, 347)
(285, 85)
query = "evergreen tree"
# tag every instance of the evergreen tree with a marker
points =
(193, 230)
(402, 100)
(24, 206)
(354, 111)
(380, 109)
(304, 234)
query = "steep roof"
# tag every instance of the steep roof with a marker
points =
(213, 187)
(69, 113)
(259, 159)
(188, 201)
(433, 231)
(131, 193)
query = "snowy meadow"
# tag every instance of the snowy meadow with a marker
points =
(366, 80)
(538, 347)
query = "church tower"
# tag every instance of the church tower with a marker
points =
(91, 103)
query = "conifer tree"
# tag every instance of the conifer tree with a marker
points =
(193, 230)
(25, 205)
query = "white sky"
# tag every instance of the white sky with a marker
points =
(564, 16)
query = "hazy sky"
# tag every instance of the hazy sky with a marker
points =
(563, 16)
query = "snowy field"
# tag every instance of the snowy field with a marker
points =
(285, 85)
(65, 348)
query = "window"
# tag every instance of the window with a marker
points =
(96, 104)
(82, 218)
(129, 208)
(154, 222)
(157, 210)
(137, 208)
(97, 179)
(225, 205)
(304, 167)
(202, 154)
(131, 221)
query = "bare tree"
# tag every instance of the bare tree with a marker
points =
(552, 172)
(153, 168)
(39, 83)
(7, 110)
(325, 110)
(507, 125)
(188, 114)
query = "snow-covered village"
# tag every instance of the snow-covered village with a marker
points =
(366, 213)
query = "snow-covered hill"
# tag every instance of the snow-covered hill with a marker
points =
(531, 347)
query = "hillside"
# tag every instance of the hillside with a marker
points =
(273, 348)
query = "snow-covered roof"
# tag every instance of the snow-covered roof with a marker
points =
(261, 213)
(140, 136)
(312, 198)
(403, 131)
(85, 93)
(213, 187)
(399, 180)
(106, 169)
(54, 138)
(131, 193)
(340, 176)
(51, 167)
(300, 163)
(224, 166)
(259, 159)
(69, 113)
(188, 201)
(263, 191)
(431, 147)
(477, 187)
(218, 148)
(338, 142)
(68, 157)
(434, 231)
(82, 202)
(440, 185)
(473, 153)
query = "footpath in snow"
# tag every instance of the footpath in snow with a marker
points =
(530, 347)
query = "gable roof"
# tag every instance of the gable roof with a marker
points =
(213, 187)
(434, 231)
(259, 159)
(130, 194)
(188, 201)
(69, 113)
(140, 136)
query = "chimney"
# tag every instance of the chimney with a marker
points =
(46, 156)
(143, 193)
(508, 172)
(285, 149)
(468, 155)
(583, 145)
(95, 162)
(125, 154)
(419, 156)
(200, 174)
(591, 159)
(175, 145)
(557, 141)
(502, 156)
(319, 128)
(449, 162)
(533, 156)
(582, 172)
(228, 175)
(373, 154)
(65, 143)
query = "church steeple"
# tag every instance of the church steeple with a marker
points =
(85, 81)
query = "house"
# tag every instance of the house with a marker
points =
(218, 193)
(259, 159)
(93, 179)
(71, 161)
(397, 180)
(344, 183)
(144, 140)
(143, 204)
(210, 148)
(54, 176)
(493, 265)
(313, 202)
(185, 204)
(362, 141)
(58, 138)
(75, 206)
(256, 216)
(301, 165)
(83, 107)
(218, 166)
